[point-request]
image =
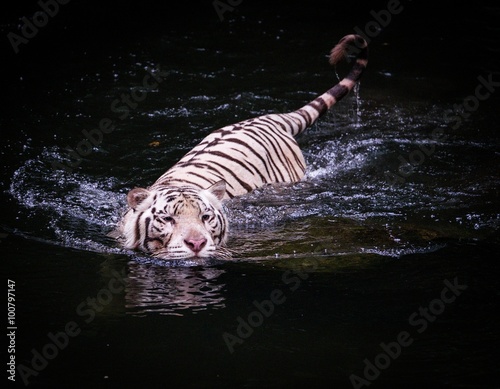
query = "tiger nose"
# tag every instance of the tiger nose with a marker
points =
(196, 245)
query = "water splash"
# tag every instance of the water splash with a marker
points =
(342, 205)
(69, 209)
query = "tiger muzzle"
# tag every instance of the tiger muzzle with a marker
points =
(195, 244)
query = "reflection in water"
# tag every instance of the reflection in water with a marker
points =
(170, 290)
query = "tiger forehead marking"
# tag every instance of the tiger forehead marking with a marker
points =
(181, 215)
(180, 202)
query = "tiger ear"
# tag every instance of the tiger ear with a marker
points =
(136, 196)
(218, 189)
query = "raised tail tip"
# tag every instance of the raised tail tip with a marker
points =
(349, 45)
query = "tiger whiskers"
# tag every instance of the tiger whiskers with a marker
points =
(217, 253)
(223, 253)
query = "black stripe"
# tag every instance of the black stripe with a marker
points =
(230, 158)
(274, 122)
(208, 166)
(146, 228)
(209, 181)
(222, 228)
(253, 151)
(338, 91)
(225, 131)
(169, 199)
(265, 134)
(194, 151)
(286, 163)
(247, 161)
(307, 116)
(168, 181)
(292, 129)
(176, 206)
(205, 165)
(298, 122)
(285, 140)
(356, 71)
(319, 105)
(169, 238)
(243, 184)
(199, 176)
(269, 166)
(137, 230)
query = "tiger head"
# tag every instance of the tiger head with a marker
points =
(176, 222)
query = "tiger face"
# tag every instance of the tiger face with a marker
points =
(176, 222)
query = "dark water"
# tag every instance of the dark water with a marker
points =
(393, 234)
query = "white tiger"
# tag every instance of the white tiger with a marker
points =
(181, 214)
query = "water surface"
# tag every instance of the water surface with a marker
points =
(387, 212)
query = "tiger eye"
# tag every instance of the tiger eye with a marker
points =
(168, 219)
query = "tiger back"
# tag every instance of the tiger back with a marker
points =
(181, 215)
(246, 155)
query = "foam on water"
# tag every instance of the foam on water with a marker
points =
(66, 208)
